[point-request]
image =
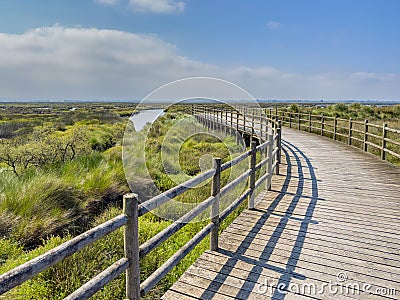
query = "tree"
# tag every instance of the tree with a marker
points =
(9, 154)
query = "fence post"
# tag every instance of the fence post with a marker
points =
(334, 128)
(278, 145)
(350, 129)
(206, 117)
(237, 122)
(366, 136)
(231, 127)
(215, 115)
(226, 122)
(252, 125)
(244, 121)
(322, 124)
(210, 116)
(215, 189)
(290, 119)
(384, 136)
(131, 246)
(270, 149)
(310, 121)
(266, 124)
(220, 121)
(299, 117)
(252, 180)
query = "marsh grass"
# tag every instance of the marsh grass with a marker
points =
(45, 201)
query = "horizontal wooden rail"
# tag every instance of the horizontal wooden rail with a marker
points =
(374, 135)
(397, 143)
(174, 192)
(163, 235)
(234, 183)
(235, 161)
(262, 163)
(393, 130)
(101, 280)
(234, 205)
(354, 132)
(266, 129)
(33, 267)
(153, 279)
(373, 145)
(392, 153)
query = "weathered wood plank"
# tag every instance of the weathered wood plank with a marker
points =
(260, 274)
(284, 252)
(329, 245)
(326, 230)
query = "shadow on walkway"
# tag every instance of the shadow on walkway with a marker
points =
(296, 157)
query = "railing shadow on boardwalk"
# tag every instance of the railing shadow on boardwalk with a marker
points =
(288, 272)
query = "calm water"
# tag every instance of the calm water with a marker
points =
(145, 116)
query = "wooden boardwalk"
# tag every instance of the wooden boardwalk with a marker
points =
(328, 229)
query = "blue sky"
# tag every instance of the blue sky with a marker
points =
(123, 49)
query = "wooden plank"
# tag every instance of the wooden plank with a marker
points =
(260, 274)
(284, 249)
(343, 232)
(176, 295)
(198, 289)
(246, 285)
(388, 256)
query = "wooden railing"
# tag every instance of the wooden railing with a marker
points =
(133, 209)
(377, 139)
(253, 121)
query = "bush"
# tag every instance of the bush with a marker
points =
(340, 107)
(294, 108)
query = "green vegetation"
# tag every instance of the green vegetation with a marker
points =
(61, 173)
(54, 180)
(356, 111)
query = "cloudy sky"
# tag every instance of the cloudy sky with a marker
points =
(124, 49)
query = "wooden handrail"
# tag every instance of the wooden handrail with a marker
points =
(348, 132)
(33, 267)
(216, 119)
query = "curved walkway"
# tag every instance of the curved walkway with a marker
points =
(328, 229)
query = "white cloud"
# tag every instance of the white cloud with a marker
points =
(370, 77)
(152, 6)
(88, 63)
(107, 2)
(157, 6)
(273, 25)
(57, 62)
